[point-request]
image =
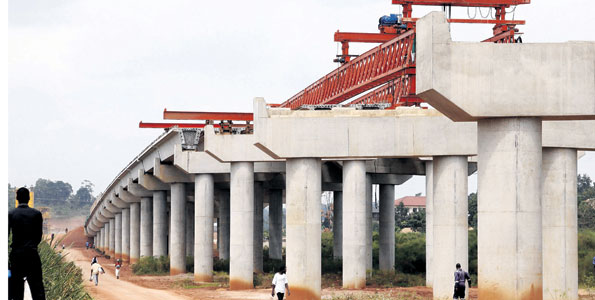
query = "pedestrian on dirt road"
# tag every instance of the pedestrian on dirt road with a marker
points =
(95, 270)
(26, 226)
(460, 278)
(118, 266)
(593, 263)
(87, 245)
(280, 284)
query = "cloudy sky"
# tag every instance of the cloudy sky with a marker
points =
(82, 74)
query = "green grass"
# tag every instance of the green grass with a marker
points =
(62, 280)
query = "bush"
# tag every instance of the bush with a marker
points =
(151, 266)
(270, 265)
(221, 265)
(410, 252)
(392, 278)
(586, 251)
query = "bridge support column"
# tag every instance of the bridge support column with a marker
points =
(112, 237)
(160, 223)
(303, 227)
(106, 238)
(509, 208)
(241, 250)
(126, 234)
(354, 234)
(223, 227)
(276, 224)
(204, 206)
(177, 253)
(559, 204)
(450, 221)
(387, 227)
(118, 236)
(337, 224)
(429, 223)
(258, 226)
(190, 229)
(134, 232)
(99, 244)
(369, 195)
(146, 227)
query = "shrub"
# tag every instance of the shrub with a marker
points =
(151, 266)
(221, 265)
(586, 251)
(392, 278)
(410, 252)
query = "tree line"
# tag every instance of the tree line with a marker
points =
(59, 196)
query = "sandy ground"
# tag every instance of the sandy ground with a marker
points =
(173, 287)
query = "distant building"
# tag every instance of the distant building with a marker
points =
(412, 203)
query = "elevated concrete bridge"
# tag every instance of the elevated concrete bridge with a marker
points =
(166, 200)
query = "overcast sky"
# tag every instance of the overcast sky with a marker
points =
(82, 74)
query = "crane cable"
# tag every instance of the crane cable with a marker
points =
(474, 15)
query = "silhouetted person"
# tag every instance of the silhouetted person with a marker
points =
(26, 225)
(460, 278)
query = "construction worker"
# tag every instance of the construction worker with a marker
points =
(460, 278)
(118, 266)
(26, 226)
(280, 284)
(96, 268)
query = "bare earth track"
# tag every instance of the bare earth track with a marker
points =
(171, 287)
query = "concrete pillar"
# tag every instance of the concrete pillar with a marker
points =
(337, 224)
(126, 234)
(99, 244)
(241, 248)
(559, 204)
(134, 232)
(429, 223)
(387, 227)
(106, 238)
(369, 196)
(303, 227)
(177, 253)
(146, 226)
(450, 221)
(258, 226)
(276, 224)
(118, 236)
(509, 209)
(160, 223)
(204, 210)
(112, 237)
(354, 233)
(190, 229)
(223, 226)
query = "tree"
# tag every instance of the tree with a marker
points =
(417, 221)
(585, 188)
(401, 216)
(586, 214)
(11, 196)
(472, 216)
(48, 192)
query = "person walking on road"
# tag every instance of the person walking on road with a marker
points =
(460, 278)
(26, 226)
(87, 245)
(280, 284)
(118, 266)
(95, 270)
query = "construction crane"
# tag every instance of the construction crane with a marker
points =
(391, 65)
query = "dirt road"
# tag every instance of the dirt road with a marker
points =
(110, 288)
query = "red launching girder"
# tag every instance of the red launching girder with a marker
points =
(183, 125)
(198, 115)
(373, 68)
